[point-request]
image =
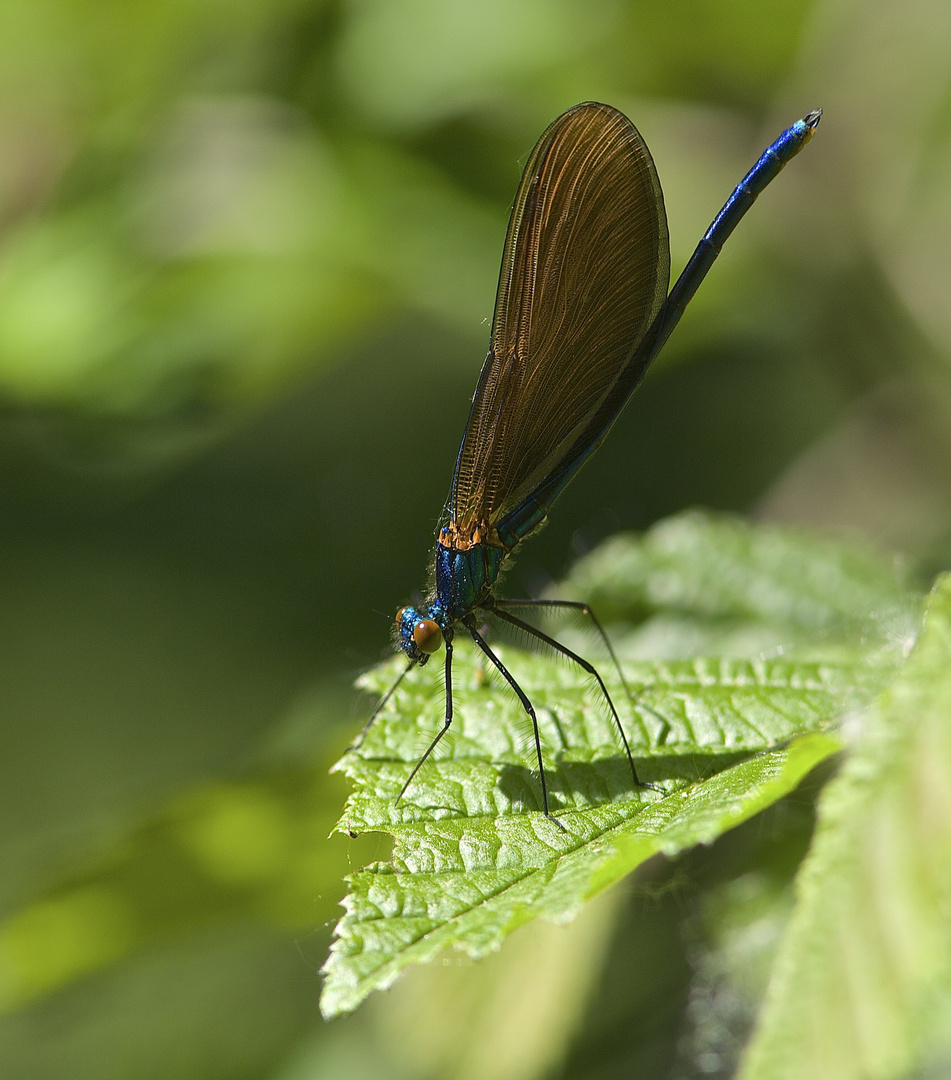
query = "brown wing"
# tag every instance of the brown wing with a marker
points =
(585, 269)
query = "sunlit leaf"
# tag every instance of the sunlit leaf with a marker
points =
(717, 739)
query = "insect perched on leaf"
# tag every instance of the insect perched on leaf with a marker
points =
(582, 309)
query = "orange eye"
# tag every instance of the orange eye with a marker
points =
(427, 637)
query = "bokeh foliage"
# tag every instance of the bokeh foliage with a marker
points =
(247, 252)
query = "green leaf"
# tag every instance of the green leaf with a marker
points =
(716, 738)
(720, 567)
(687, 719)
(862, 984)
(469, 882)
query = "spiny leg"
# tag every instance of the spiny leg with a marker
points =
(575, 605)
(469, 623)
(358, 742)
(580, 661)
(583, 607)
(447, 637)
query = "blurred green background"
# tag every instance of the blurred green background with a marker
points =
(247, 257)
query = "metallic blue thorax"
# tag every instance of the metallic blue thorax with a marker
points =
(465, 574)
(464, 578)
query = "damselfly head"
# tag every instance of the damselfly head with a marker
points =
(420, 636)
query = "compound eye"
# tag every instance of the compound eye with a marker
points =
(427, 637)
